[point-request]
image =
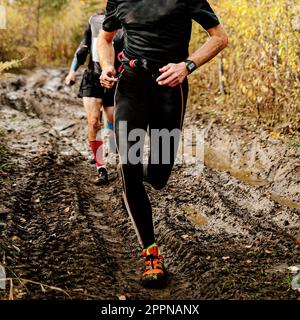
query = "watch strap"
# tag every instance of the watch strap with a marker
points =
(190, 65)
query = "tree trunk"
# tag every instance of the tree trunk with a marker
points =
(38, 17)
(221, 75)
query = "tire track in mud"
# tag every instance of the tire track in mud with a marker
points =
(236, 201)
(89, 205)
(226, 261)
(60, 248)
(68, 233)
(84, 246)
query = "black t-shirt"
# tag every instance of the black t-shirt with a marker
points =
(158, 30)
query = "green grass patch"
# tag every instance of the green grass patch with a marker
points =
(295, 144)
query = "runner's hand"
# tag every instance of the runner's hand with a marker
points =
(172, 74)
(70, 79)
(107, 78)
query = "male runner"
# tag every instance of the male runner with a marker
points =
(94, 95)
(152, 92)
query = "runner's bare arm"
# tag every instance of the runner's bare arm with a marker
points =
(107, 57)
(80, 55)
(174, 74)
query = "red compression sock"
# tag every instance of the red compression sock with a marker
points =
(97, 148)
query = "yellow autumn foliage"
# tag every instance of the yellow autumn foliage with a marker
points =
(257, 76)
(261, 66)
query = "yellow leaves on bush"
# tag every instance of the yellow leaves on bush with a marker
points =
(261, 65)
(259, 70)
(4, 66)
(48, 31)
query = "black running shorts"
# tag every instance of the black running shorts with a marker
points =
(90, 87)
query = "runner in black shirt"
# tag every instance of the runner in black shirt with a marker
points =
(152, 92)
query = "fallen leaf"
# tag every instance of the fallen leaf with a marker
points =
(208, 258)
(297, 240)
(185, 236)
(268, 251)
(249, 261)
(122, 298)
(67, 210)
(249, 246)
(37, 200)
(276, 135)
(226, 258)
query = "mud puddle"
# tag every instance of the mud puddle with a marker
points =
(215, 160)
(64, 238)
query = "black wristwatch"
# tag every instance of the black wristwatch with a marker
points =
(190, 65)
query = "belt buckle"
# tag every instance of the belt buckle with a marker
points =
(152, 69)
(144, 64)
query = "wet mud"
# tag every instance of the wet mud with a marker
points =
(231, 232)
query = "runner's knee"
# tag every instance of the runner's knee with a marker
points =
(133, 174)
(94, 123)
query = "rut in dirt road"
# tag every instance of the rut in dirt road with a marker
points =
(221, 238)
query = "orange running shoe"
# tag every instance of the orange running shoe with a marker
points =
(154, 273)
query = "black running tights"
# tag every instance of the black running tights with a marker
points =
(142, 104)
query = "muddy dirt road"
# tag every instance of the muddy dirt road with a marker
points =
(229, 233)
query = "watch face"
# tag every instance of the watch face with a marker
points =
(191, 66)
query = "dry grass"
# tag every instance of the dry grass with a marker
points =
(260, 68)
(24, 282)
